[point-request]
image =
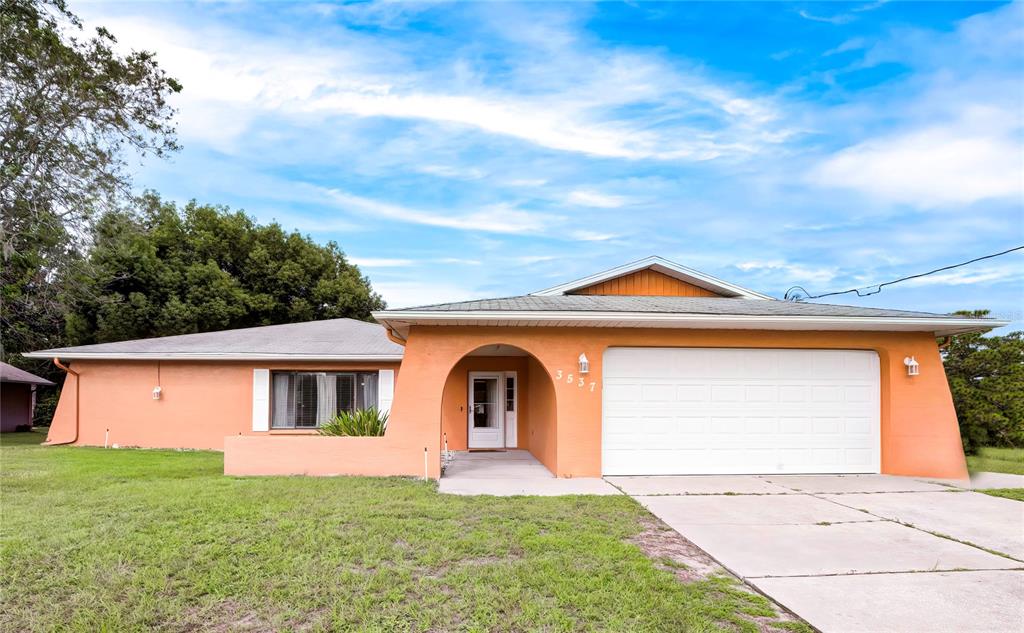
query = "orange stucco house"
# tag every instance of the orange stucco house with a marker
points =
(650, 368)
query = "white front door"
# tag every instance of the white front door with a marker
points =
(486, 410)
(679, 411)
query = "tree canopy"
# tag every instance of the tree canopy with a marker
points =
(71, 110)
(986, 378)
(158, 270)
(83, 261)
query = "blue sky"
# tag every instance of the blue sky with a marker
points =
(492, 149)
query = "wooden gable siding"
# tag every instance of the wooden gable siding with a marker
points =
(646, 282)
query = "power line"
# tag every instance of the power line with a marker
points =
(877, 288)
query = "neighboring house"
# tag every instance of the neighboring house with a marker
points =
(18, 397)
(648, 368)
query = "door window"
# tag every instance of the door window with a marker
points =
(485, 401)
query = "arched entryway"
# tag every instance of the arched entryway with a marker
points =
(499, 397)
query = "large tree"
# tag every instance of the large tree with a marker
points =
(986, 377)
(72, 110)
(158, 270)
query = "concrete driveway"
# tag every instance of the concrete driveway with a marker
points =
(856, 552)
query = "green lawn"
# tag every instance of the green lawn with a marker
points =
(1017, 494)
(26, 438)
(997, 460)
(123, 540)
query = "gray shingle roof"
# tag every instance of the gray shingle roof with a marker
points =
(665, 305)
(314, 339)
(10, 373)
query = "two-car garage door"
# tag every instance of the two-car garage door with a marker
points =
(673, 411)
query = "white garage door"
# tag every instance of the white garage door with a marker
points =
(675, 411)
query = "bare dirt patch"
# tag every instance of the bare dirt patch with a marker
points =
(674, 553)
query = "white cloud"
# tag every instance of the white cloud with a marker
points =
(966, 276)
(388, 262)
(404, 294)
(592, 236)
(381, 262)
(450, 171)
(950, 133)
(230, 81)
(794, 273)
(460, 261)
(597, 199)
(936, 166)
(496, 218)
(534, 259)
(784, 54)
(853, 44)
(525, 182)
(842, 18)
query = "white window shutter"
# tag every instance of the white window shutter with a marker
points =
(385, 389)
(261, 400)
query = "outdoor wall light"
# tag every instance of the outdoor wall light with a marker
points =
(913, 368)
(157, 392)
(584, 364)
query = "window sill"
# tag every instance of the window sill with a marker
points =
(294, 432)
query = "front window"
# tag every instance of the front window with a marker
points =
(307, 399)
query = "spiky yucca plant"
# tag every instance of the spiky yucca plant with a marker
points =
(359, 423)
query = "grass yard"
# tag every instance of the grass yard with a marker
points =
(123, 540)
(1017, 494)
(997, 460)
(26, 438)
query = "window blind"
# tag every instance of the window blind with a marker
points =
(309, 399)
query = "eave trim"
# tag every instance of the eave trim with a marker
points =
(709, 321)
(383, 358)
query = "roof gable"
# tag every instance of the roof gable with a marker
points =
(646, 282)
(625, 275)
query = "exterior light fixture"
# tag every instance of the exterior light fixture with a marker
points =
(157, 392)
(913, 368)
(584, 364)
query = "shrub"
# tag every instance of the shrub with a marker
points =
(360, 423)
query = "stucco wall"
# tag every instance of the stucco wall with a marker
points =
(202, 402)
(324, 456)
(542, 441)
(919, 431)
(454, 416)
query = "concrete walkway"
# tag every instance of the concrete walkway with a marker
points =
(512, 472)
(857, 552)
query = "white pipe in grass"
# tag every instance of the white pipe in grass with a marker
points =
(425, 468)
(106, 438)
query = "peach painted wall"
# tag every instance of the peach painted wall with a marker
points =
(323, 456)
(541, 441)
(919, 430)
(454, 416)
(202, 401)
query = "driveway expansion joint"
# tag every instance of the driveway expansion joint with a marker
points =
(914, 527)
(955, 570)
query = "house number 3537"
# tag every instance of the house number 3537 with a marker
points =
(580, 382)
